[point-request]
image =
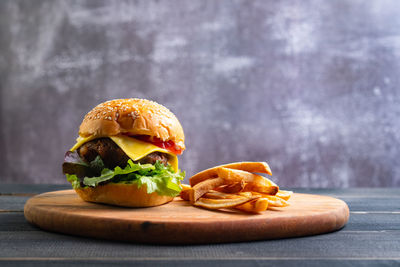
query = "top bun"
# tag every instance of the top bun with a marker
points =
(133, 116)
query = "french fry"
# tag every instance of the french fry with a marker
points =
(201, 188)
(259, 167)
(231, 188)
(220, 195)
(261, 204)
(245, 194)
(235, 186)
(185, 193)
(215, 204)
(268, 190)
(185, 186)
(274, 201)
(234, 176)
(254, 206)
(284, 194)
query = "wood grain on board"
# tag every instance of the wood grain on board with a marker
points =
(180, 223)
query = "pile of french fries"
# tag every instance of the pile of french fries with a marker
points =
(235, 186)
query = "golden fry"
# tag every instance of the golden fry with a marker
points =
(215, 204)
(185, 193)
(234, 176)
(268, 190)
(201, 188)
(220, 195)
(284, 194)
(254, 206)
(245, 194)
(259, 167)
(231, 188)
(274, 201)
(185, 186)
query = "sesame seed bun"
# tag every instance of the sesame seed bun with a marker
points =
(133, 116)
(126, 195)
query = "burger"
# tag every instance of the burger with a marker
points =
(126, 154)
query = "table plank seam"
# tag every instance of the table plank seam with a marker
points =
(369, 196)
(368, 231)
(11, 211)
(192, 258)
(374, 212)
(18, 194)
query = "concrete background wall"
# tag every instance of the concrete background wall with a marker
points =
(312, 87)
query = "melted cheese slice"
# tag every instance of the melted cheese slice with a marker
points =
(134, 148)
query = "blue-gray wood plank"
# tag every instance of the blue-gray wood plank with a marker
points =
(371, 237)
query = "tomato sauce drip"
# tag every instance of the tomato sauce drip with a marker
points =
(168, 145)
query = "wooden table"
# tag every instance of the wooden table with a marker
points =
(371, 237)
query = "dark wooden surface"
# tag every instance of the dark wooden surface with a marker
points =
(371, 237)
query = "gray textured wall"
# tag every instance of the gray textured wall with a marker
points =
(309, 86)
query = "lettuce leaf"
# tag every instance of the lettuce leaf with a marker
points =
(157, 178)
(74, 180)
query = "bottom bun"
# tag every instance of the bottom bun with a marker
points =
(126, 195)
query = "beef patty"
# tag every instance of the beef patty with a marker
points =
(112, 155)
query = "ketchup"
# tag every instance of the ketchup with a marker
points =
(168, 145)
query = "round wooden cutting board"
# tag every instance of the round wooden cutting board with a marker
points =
(180, 223)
